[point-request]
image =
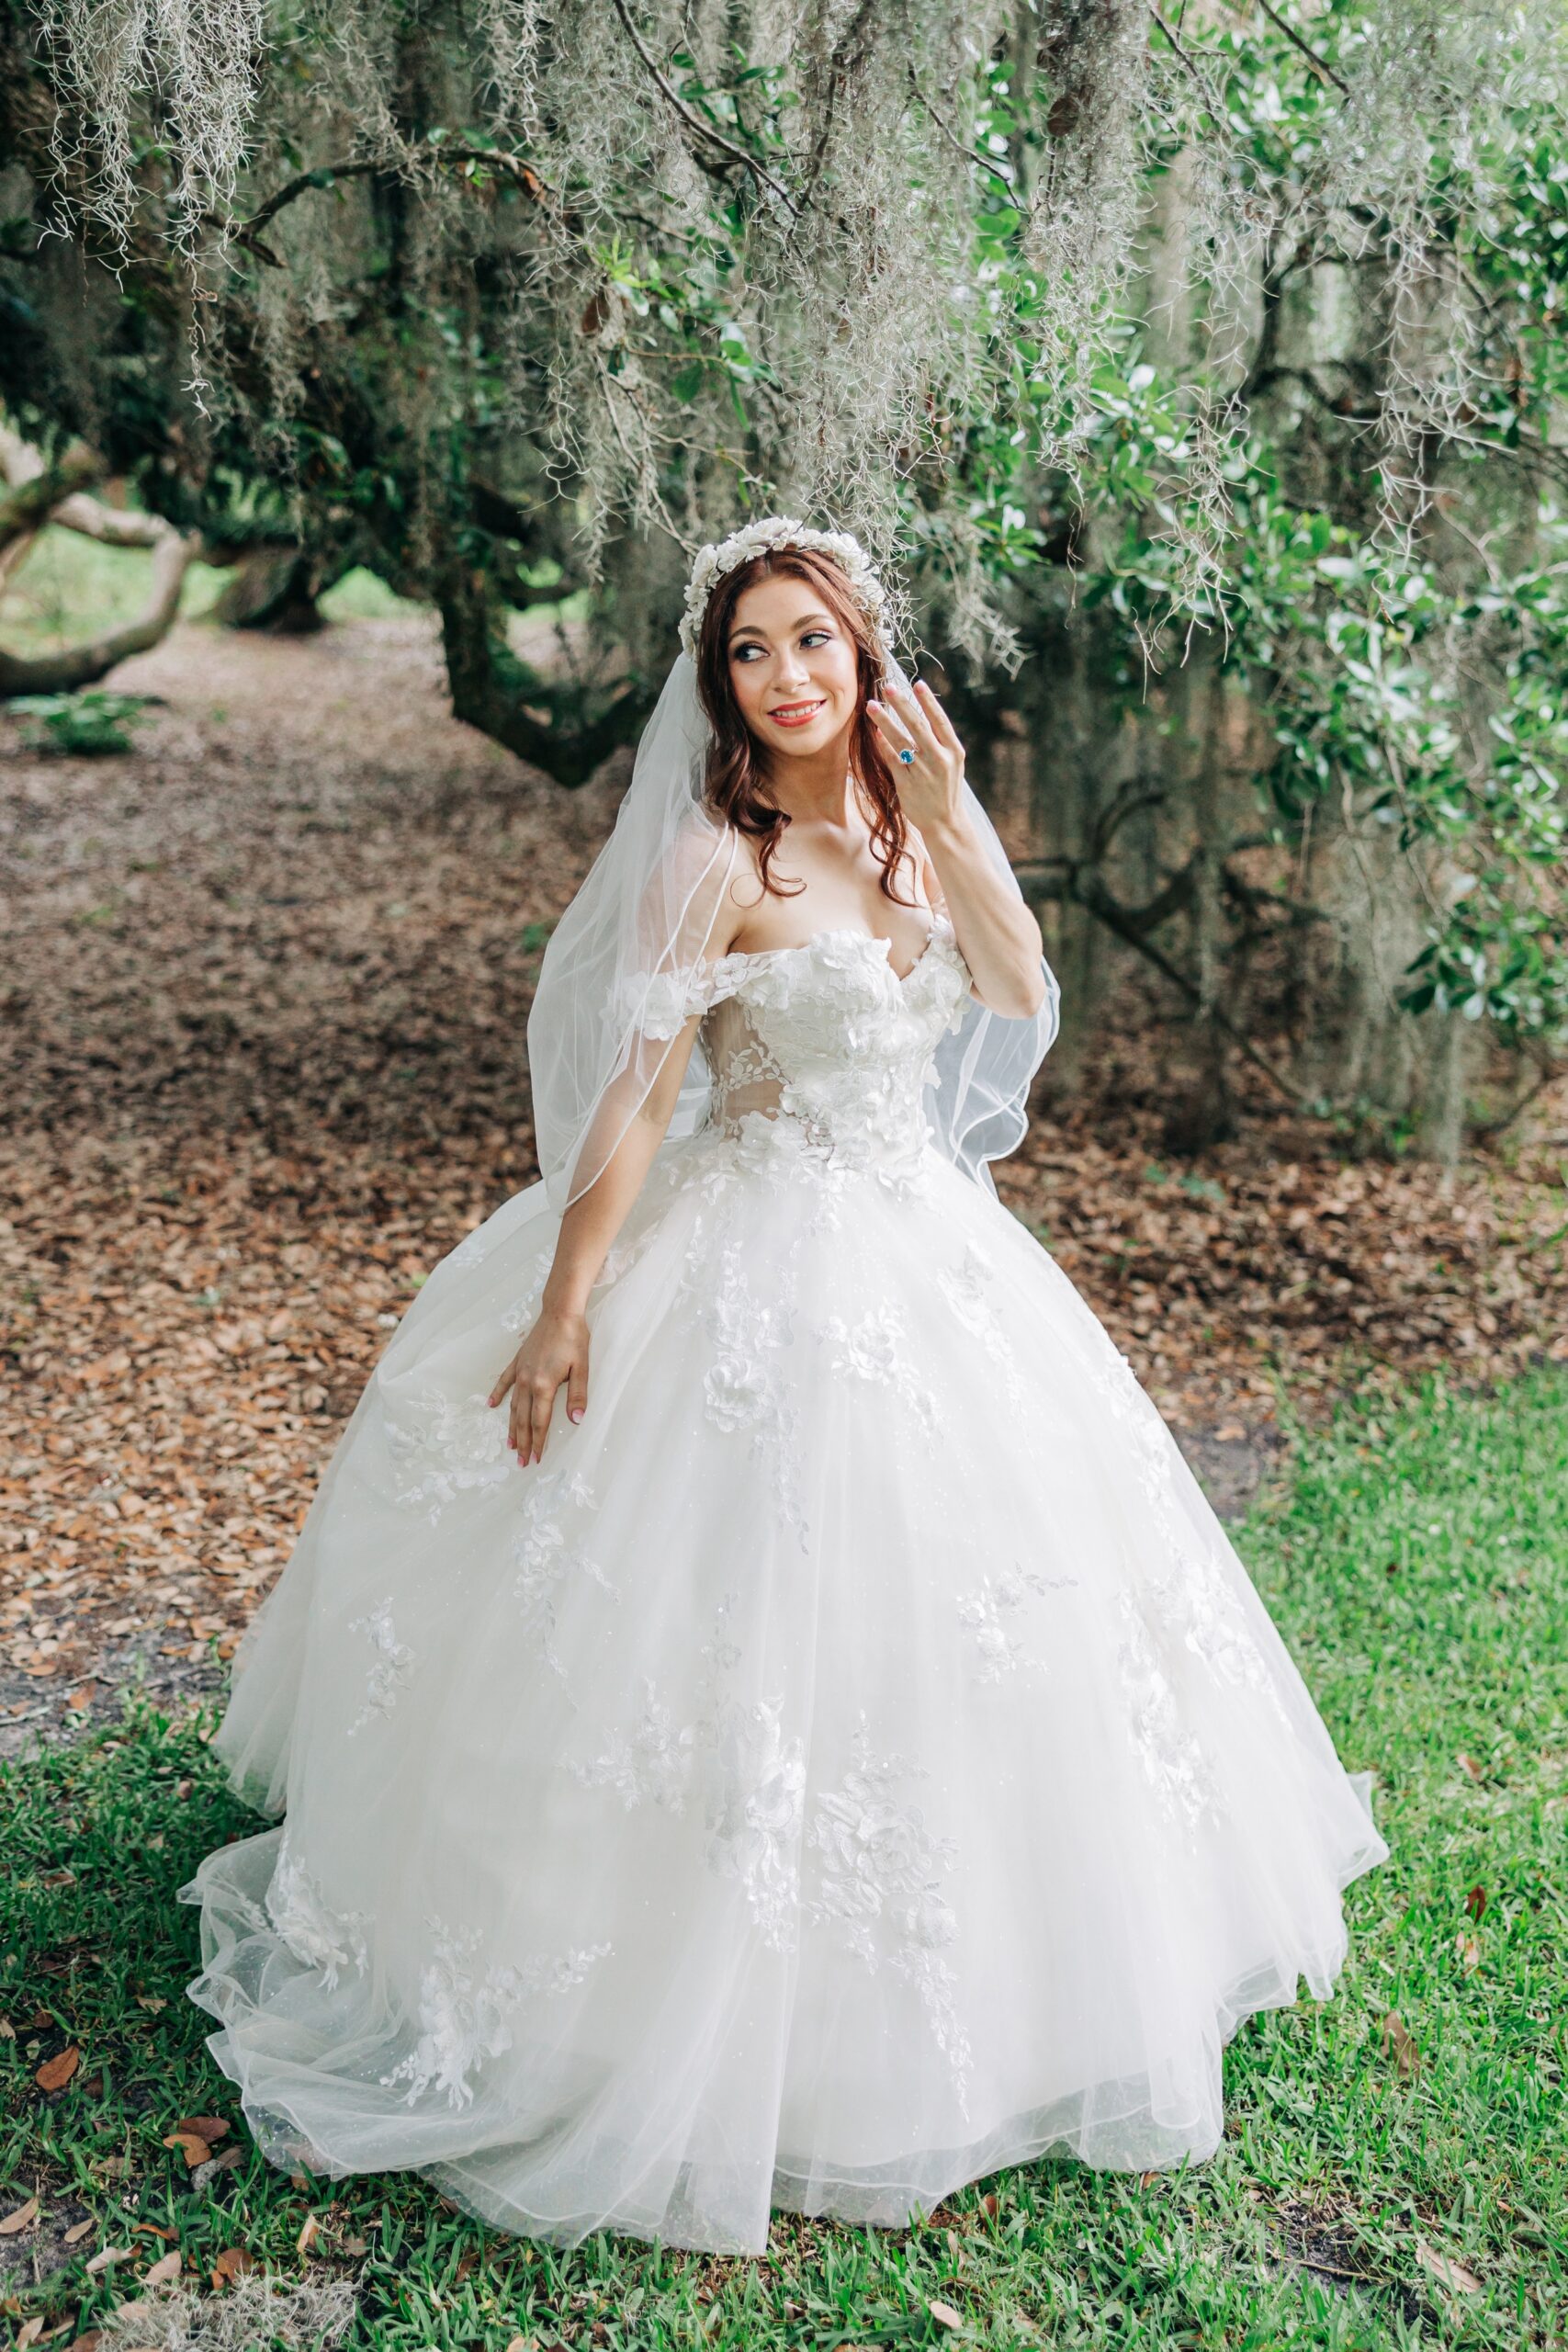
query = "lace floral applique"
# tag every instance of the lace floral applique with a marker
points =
(875, 1348)
(722, 1651)
(523, 1312)
(544, 1554)
(968, 1289)
(1190, 1588)
(315, 1933)
(833, 1049)
(472, 1250)
(660, 1004)
(744, 1389)
(649, 1765)
(463, 2017)
(754, 1818)
(442, 1446)
(990, 1615)
(1172, 1760)
(391, 1667)
(879, 1883)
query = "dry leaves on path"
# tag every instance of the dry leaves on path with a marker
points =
(262, 1063)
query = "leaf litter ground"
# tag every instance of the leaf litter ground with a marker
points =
(263, 1064)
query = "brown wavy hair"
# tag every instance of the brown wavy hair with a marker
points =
(737, 784)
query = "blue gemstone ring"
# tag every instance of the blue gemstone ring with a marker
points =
(907, 758)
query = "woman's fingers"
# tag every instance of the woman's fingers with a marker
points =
(541, 1397)
(533, 1388)
(891, 726)
(886, 720)
(940, 724)
(913, 712)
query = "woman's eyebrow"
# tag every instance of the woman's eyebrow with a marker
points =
(803, 621)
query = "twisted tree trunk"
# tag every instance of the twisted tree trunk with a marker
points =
(39, 494)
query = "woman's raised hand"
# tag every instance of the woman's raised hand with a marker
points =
(555, 1352)
(931, 785)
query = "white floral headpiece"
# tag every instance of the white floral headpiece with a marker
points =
(762, 537)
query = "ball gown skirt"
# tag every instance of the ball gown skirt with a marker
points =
(852, 1760)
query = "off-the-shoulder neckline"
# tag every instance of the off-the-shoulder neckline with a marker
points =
(737, 957)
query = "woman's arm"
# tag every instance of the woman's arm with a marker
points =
(998, 937)
(555, 1348)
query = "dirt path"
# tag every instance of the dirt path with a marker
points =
(262, 1064)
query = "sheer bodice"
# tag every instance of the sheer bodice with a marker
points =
(830, 1043)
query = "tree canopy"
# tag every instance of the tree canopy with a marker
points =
(1198, 367)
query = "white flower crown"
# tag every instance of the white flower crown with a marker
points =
(774, 531)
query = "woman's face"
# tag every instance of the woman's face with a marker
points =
(792, 667)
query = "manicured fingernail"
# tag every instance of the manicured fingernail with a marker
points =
(575, 1414)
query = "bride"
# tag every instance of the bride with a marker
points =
(762, 1714)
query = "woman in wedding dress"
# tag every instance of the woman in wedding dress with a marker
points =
(762, 1712)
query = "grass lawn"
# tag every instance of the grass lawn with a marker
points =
(1380, 2184)
(69, 587)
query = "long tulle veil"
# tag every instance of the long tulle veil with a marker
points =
(628, 959)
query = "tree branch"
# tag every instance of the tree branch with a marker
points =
(1082, 887)
(81, 665)
(694, 121)
(326, 176)
(1320, 65)
(493, 690)
(972, 154)
(33, 497)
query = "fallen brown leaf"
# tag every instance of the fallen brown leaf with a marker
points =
(310, 2232)
(56, 2072)
(19, 2218)
(1475, 1902)
(232, 2263)
(193, 2148)
(211, 2128)
(1443, 2268)
(78, 2230)
(164, 2270)
(945, 2315)
(1398, 2039)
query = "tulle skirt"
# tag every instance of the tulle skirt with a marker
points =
(854, 1760)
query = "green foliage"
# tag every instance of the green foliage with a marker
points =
(86, 725)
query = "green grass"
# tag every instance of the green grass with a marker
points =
(1417, 1565)
(71, 587)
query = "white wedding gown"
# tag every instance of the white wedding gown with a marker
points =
(854, 1760)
